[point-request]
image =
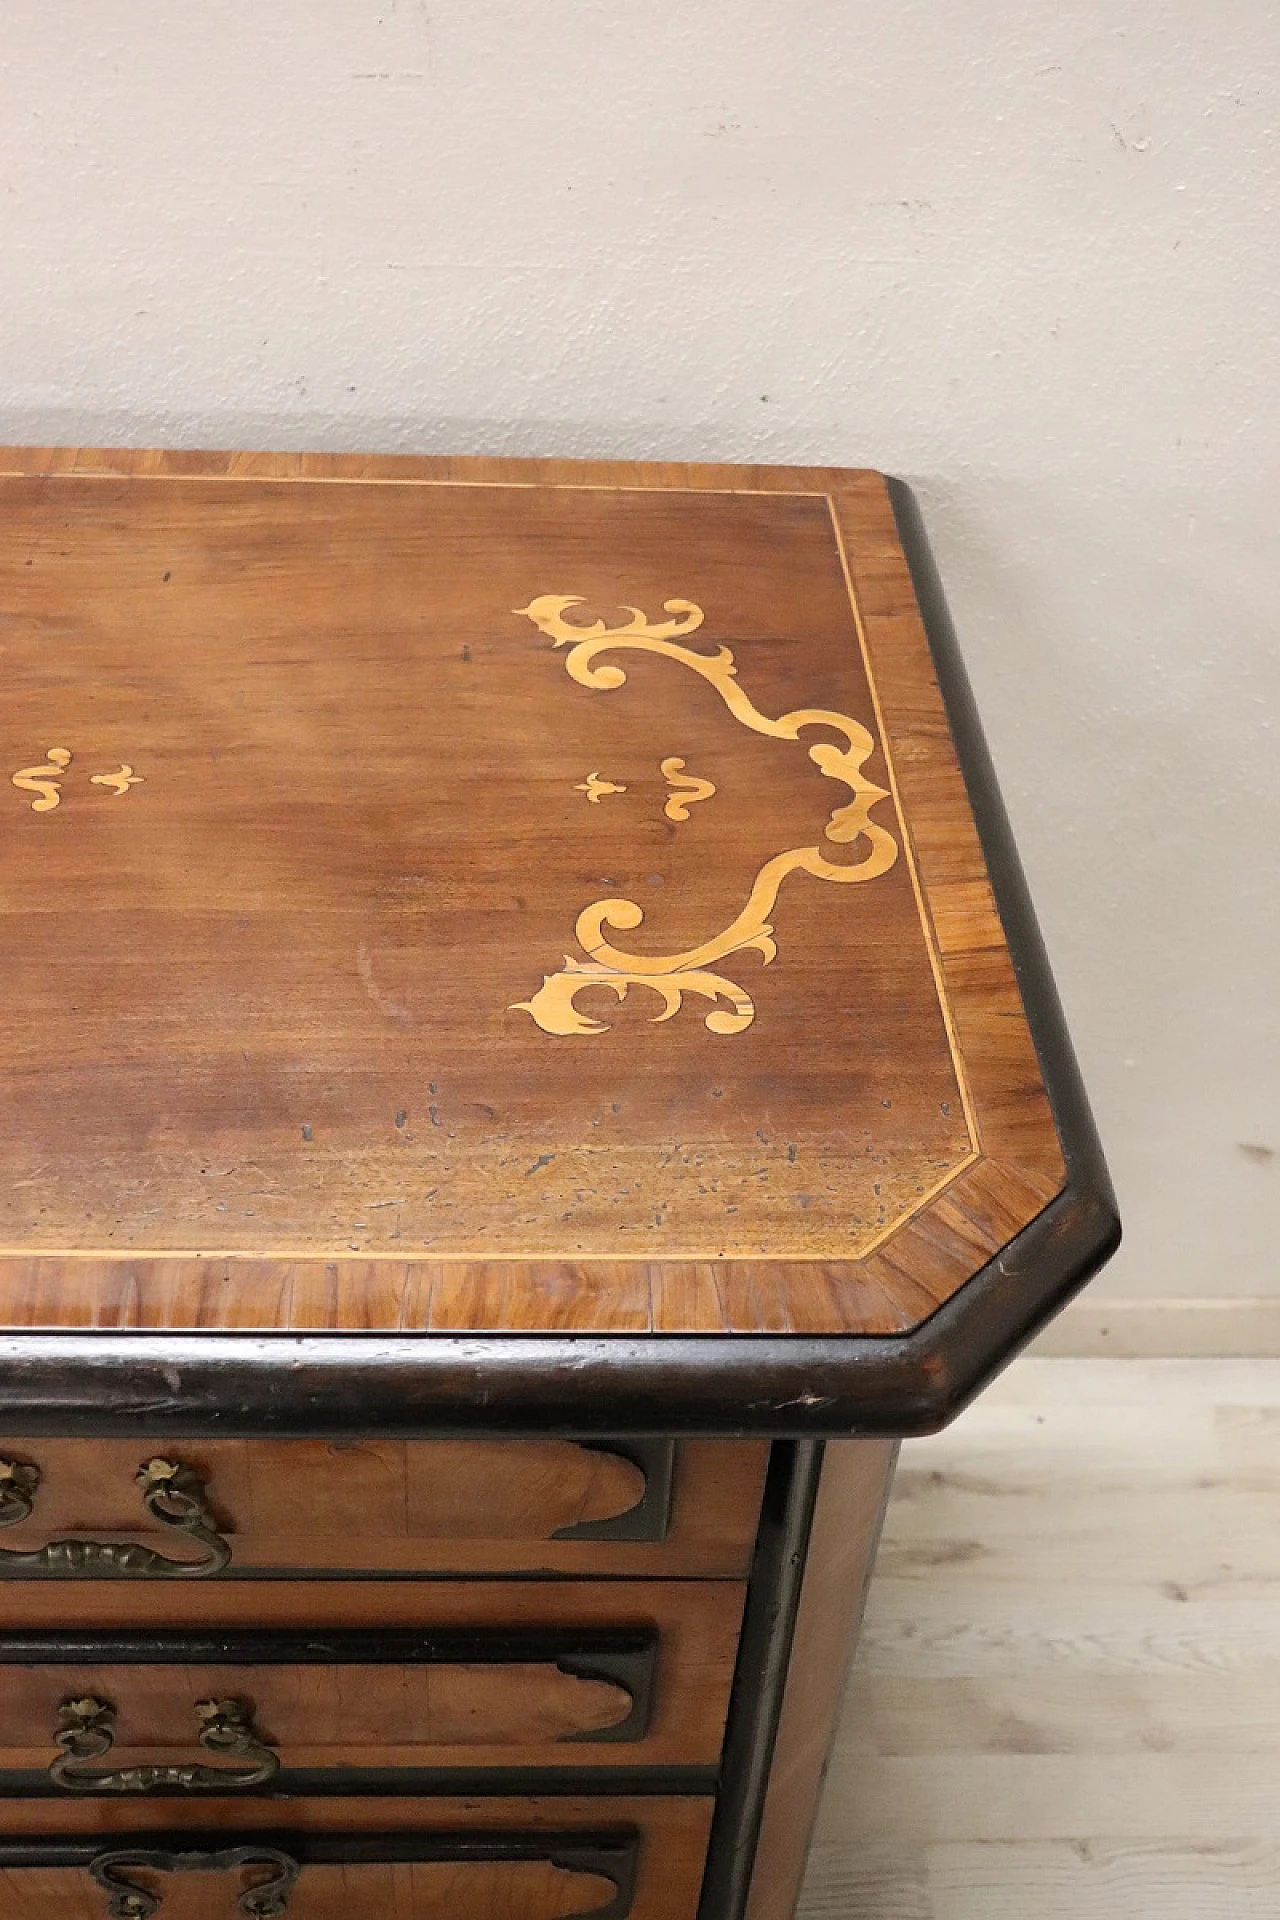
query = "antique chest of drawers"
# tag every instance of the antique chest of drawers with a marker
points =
(528, 1068)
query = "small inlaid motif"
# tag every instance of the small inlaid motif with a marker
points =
(595, 788)
(46, 781)
(119, 782)
(687, 789)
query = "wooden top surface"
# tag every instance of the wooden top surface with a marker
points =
(487, 895)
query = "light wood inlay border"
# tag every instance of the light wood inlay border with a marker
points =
(974, 1212)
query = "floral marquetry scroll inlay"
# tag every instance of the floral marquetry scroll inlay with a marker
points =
(672, 975)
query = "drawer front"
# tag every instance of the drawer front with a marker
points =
(467, 1875)
(208, 1509)
(552, 1677)
(408, 1860)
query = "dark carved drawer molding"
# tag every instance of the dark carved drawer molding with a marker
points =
(279, 1861)
(175, 1496)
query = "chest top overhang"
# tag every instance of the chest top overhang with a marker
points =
(460, 898)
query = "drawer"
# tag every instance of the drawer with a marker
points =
(468, 1875)
(559, 1677)
(208, 1509)
(525, 1859)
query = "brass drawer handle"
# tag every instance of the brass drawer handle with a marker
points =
(261, 1901)
(86, 1731)
(172, 1493)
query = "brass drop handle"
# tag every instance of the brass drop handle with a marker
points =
(262, 1901)
(172, 1493)
(86, 1731)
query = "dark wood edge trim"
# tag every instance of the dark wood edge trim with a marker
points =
(732, 1384)
(650, 1518)
(409, 1783)
(75, 1849)
(980, 1328)
(634, 1670)
(764, 1653)
(320, 1647)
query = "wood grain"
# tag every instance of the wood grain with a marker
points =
(1065, 1701)
(672, 1832)
(696, 1624)
(360, 1715)
(387, 1506)
(422, 1890)
(852, 1491)
(263, 1052)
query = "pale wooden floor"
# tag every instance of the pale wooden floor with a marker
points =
(1067, 1701)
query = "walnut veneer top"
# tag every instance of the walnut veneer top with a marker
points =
(482, 895)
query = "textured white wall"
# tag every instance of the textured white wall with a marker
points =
(1023, 255)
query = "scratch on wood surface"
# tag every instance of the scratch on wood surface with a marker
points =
(385, 1005)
